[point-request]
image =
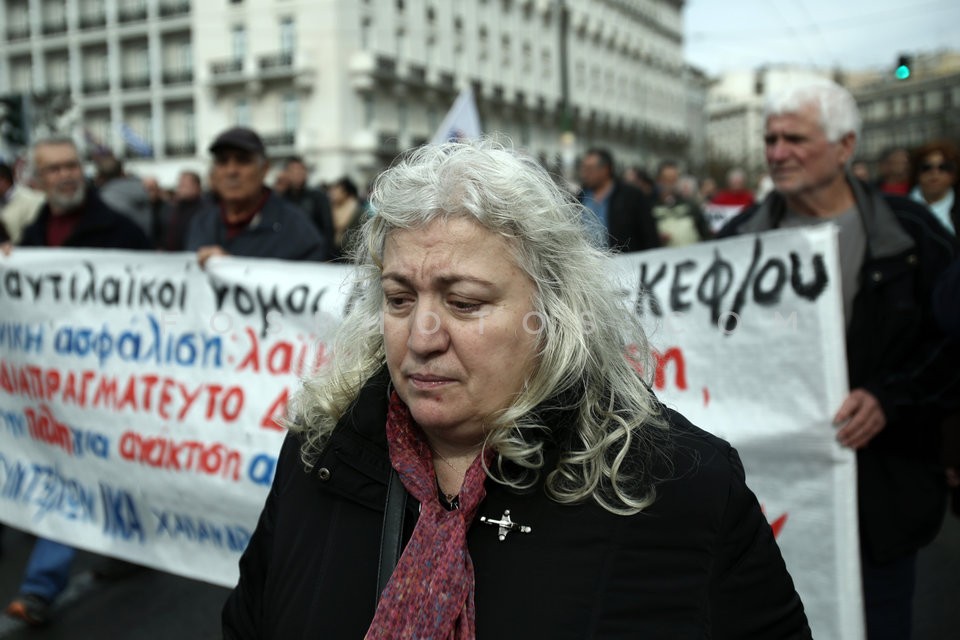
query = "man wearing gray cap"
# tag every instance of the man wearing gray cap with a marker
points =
(248, 219)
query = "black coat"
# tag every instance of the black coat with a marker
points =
(630, 222)
(701, 562)
(896, 351)
(100, 227)
(279, 230)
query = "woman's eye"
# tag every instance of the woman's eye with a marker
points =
(397, 301)
(465, 306)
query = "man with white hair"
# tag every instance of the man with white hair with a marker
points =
(901, 368)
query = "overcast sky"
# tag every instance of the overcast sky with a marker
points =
(727, 35)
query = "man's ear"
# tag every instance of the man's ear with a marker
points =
(848, 145)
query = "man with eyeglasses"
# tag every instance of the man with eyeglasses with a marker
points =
(249, 219)
(73, 215)
(901, 368)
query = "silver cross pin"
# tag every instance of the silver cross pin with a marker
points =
(506, 525)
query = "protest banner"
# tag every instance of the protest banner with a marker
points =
(138, 394)
(748, 340)
(138, 397)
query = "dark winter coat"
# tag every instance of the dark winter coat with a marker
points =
(896, 351)
(701, 562)
(280, 230)
(630, 222)
(100, 227)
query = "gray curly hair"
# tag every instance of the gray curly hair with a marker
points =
(608, 451)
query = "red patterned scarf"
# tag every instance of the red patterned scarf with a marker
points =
(430, 594)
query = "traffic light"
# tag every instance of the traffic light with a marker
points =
(14, 125)
(903, 68)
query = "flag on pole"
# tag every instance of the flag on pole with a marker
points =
(94, 143)
(462, 122)
(135, 142)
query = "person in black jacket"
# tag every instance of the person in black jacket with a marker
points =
(537, 489)
(622, 218)
(900, 365)
(72, 216)
(313, 202)
(249, 219)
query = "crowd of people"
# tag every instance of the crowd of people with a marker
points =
(553, 424)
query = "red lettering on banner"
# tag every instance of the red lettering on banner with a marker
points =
(181, 456)
(283, 357)
(661, 361)
(148, 382)
(70, 393)
(44, 427)
(276, 410)
(129, 396)
(163, 396)
(285, 365)
(252, 359)
(188, 400)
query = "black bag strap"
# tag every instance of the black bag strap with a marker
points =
(391, 538)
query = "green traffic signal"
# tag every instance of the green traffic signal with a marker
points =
(902, 72)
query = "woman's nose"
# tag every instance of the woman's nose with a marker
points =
(427, 331)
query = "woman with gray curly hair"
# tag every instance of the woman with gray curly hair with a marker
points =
(481, 459)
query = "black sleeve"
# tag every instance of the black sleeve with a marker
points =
(928, 376)
(648, 225)
(751, 593)
(700, 220)
(243, 611)
(946, 300)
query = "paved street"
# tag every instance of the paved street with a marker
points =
(150, 604)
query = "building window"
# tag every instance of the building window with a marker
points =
(288, 36)
(238, 42)
(402, 117)
(291, 112)
(369, 111)
(241, 112)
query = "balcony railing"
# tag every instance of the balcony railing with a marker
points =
(91, 21)
(177, 76)
(18, 31)
(445, 80)
(226, 67)
(416, 75)
(386, 67)
(282, 139)
(176, 148)
(132, 14)
(96, 86)
(276, 61)
(52, 27)
(135, 82)
(174, 8)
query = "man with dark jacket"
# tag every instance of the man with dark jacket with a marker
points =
(72, 216)
(312, 202)
(621, 218)
(249, 220)
(901, 367)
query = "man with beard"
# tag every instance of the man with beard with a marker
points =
(72, 216)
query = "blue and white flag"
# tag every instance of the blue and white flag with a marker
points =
(462, 122)
(135, 142)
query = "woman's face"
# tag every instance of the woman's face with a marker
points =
(459, 329)
(936, 176)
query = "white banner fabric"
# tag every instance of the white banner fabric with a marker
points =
(138, 394)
